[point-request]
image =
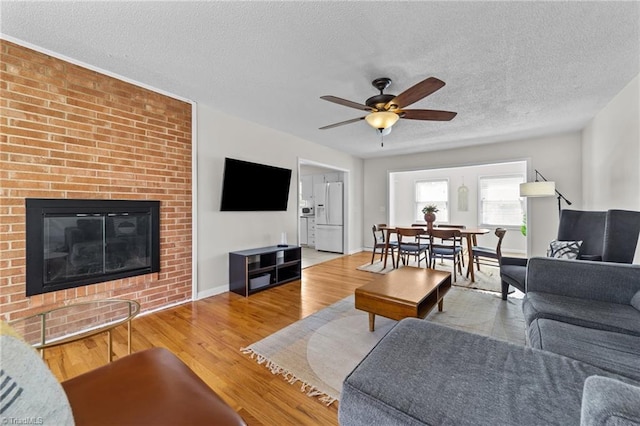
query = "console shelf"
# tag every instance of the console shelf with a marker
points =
(258, 269)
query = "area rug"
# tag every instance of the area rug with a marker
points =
(487, 279)
(321, 349)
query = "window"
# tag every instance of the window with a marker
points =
(500, 203)
(432, 192)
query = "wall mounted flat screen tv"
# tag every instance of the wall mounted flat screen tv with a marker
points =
(250, 186)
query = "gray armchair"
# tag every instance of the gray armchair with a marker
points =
(610, 236)
(621, 236)
(586, 226)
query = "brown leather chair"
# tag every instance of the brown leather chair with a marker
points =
(151, 387)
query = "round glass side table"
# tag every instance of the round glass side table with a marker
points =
(77, 321)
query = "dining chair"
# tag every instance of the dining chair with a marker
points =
(410, 244)
(379, 242)
(459, 239)
(446, 248)
(424, 236)
(487, 255)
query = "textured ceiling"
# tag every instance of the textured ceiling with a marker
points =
(513, 69)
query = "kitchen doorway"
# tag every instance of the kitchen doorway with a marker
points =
(322, 212)
(311, 256)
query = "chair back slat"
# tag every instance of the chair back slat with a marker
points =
(444, 233)
(500, 232)
(408, 232)
(378, 233)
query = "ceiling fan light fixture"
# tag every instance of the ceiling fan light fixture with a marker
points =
(382, 119)
(385, 109)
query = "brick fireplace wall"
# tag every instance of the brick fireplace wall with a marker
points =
(70, 132)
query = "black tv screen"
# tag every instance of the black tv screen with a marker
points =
(254, 187)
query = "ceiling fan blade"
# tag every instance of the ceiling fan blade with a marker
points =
(342, 123)
(427, 114)
(416, 92)
(346, 103)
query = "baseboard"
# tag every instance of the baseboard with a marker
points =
(519, 253)
(162, 308)
(212, 292)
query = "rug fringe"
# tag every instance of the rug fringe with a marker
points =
(275, 369)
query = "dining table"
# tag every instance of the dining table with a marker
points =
(470, 234)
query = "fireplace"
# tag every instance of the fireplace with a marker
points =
(72, 243)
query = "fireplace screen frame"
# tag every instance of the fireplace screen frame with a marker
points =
(40, 209)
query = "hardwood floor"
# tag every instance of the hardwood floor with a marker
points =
(208, 334)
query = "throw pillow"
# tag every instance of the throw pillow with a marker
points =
(564, 249)
(30, 392)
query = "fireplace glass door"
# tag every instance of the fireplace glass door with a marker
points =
(76, 242)
(84, 245)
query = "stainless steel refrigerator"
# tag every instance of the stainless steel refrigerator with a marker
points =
(329, 216)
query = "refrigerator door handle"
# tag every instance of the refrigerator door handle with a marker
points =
(328, 205)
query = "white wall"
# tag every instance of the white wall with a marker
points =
(611, 155)
(608, 150)
(402, 190)
(557, 157)
(221, 135)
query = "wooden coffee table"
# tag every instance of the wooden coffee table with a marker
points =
(402, 293)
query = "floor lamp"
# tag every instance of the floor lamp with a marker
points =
(542, 188)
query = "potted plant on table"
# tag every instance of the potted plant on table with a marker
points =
(429, 212)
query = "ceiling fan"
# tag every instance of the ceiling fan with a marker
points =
(386, 109)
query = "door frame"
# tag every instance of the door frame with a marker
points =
(345, 197)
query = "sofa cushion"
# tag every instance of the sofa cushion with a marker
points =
(425, 373)
(29, 390)
(607, 401)
(614, 352)
(584, 312)
(635, 300)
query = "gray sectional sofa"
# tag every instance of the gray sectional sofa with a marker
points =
(582, 366)
(585, 311)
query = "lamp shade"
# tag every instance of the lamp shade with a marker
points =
(382, 119)
(538, 189)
